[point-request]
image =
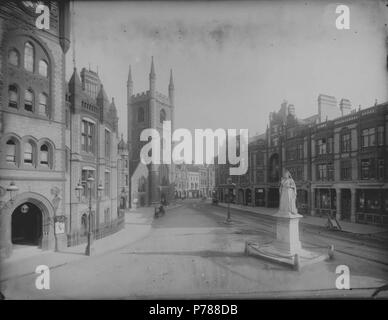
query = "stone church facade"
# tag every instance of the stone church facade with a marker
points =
(150, 184)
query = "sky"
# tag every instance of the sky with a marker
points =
(234, 62)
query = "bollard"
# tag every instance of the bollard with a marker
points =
(296, 262)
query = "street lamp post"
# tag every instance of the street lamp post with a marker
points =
(230, 184)
(12, 189)
(79, 187)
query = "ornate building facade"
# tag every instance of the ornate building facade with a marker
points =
(32, 130)
(91, 151)
(152, 183)
(337, 158)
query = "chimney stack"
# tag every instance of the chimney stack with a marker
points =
(345, 106)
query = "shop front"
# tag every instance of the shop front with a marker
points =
(372, 206)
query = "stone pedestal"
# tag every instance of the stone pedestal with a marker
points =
(286, 248)
(287, 233)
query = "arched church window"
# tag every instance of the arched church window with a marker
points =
(162, 116)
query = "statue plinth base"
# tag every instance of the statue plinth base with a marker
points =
(286, 248)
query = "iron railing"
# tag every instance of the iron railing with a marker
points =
(104, 230)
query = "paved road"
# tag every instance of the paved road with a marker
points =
(191, 253)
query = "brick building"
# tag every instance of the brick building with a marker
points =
(91, 151)
(337, 158)
(32, 130)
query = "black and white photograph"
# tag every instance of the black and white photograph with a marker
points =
(194, 150)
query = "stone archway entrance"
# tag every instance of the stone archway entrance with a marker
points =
(26, 221)
(26, 225)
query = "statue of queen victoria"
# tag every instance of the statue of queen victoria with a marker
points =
(287, 192)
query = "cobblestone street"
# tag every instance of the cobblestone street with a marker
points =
(191, 253)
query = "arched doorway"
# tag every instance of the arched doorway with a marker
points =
(26, 225)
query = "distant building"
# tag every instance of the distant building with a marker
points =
(193, 178)
(337, 158)
(193, 181)
(152, 183)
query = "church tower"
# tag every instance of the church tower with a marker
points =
(148, 109)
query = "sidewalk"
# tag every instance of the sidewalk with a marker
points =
(25, 260)
(351, 227)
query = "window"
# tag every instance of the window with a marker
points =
(381, 169)
(162, 116)
(322, 172)
(321, 146)
(380, 136)
(11, 152)
(126, 180)
(87, 136)
(28, 153)
(29, 57)
(44, 155)
(140, 115)
(346, 170)
(13, 96)
(330, 171)
(29, 100)
(142, 185)
(107, 144)
(291, 154)
(365, 169)
(330, 145)
(300, 151)
(43, 110)
(43, 68)
(13, 57)
(345, 142)
(368, 137)
(107, 184)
